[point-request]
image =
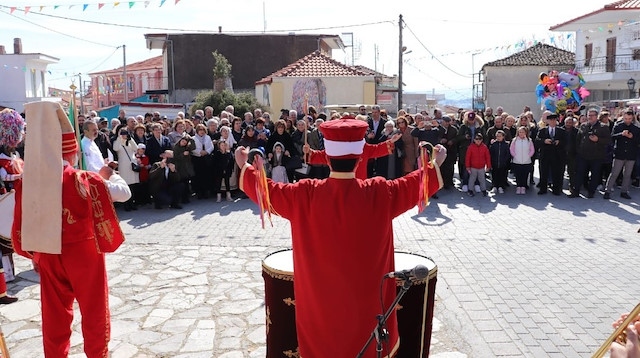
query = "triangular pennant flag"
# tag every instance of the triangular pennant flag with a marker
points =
(84, 7)
(100, 5)
(600, 28)
(56, 6)
(177, 1)
(620, 23)
(131, 3)
(13, 8)
(569, 36)
(70, 6)
(41, 7)
(146, 3)
(24, 69)
(162, 2)
(26, 9)
(609, 25)
(116, 4)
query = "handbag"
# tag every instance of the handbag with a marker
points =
(134, 166)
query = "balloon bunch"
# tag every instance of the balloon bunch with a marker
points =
(11, 128)
(558, 92)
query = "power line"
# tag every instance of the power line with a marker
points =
(431, 53)
(198, 30)
(442, 84)
(56, 31)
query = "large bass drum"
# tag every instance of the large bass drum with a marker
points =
(415, 310)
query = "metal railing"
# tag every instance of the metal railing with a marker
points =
(620, 63)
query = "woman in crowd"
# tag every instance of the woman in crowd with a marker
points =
(140, 134)
(212, 126)
(189, 127)
(391, 166)
(126, 149)
(223, 164)
(178, 131)
(522, 150)
(249, 139)
(184, 166)
(201, 159)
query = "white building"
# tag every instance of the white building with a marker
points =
(608, 51)
(25, 72)
(511, 82)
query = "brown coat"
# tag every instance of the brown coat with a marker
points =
(410, 149)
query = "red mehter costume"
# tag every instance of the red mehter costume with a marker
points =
(89, 229)
(339, 260)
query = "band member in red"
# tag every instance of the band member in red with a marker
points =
(342, 240)
(69, 252)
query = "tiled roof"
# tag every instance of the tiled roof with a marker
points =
(315, 64)
(369, 71)
(148, 64)
(624, 4)
(538, 55)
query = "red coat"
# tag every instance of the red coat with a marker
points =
(342, 238)
(78, 223)
(478, 157)
(370, 151)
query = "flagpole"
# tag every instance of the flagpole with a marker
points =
(74, 114)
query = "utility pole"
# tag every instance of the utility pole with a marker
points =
(401, 48)
(81, 90)
(124, 73)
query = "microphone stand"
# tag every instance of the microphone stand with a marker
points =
(379, 333)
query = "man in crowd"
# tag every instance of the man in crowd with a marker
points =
(157, 143)
(208, 113)
(552, 141)
(592, 139)
(497, 126)
(79, 226)
(374, 135)
(448, 134)
(571, 150)
(93, 159)
(626, 138)
(248, 120)
(164, 182)
(346, 206)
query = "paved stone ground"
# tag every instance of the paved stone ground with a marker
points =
(532, 276)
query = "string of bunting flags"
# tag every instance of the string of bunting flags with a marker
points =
(86, 6)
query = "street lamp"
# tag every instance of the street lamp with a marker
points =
(631, 84)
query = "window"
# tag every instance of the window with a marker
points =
(636, 54)
(588, 53)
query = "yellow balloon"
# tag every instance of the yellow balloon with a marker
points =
(561, 105)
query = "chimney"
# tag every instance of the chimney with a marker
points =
(17, 46)
(2, 50)
(219, 29)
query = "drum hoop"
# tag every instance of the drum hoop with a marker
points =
(2, 198)
(275, 273)
(433, 273)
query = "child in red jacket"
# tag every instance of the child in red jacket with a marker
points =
(478, 158)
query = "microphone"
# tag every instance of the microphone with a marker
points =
(419, 272)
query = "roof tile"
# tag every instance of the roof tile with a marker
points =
(538, 55)
(150, 63)
(315, 64)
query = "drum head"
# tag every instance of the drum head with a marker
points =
(279, 262)
(405, 261)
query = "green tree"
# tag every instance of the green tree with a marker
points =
(221, 72)
(241, 102)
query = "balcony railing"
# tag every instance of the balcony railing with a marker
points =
(620, 63)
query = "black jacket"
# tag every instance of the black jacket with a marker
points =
(589, 149)
(552, 151)
(625, 148)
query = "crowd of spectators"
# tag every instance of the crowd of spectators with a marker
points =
(170, 162)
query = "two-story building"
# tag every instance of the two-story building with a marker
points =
(108, 87)
(608, 51)
(25, 72)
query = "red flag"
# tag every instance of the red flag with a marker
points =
(13, 8)
(177, 1)
(26, 9)
(100, 5)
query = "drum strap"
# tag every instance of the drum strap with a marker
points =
(424, 315)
